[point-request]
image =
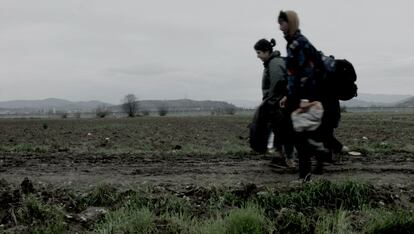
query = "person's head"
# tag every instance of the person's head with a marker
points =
(288, 22)
(264, 48)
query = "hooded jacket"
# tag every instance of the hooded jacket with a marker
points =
(274, 79)
(302, 63)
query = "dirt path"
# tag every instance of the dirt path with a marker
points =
(176, 171)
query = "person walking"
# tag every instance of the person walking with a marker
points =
(273, 89)
(304, 93)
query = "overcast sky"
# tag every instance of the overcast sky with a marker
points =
(103, 50)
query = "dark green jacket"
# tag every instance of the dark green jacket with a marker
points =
(274, 79)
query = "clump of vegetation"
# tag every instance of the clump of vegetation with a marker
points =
(127, 219)
(388, 222)
(130, 105)
(291, 221)
(44, 217)
(102, 111)
(162, 110)
(209, 226)
(77, 115)
(102, 195)
(316, 207)
(172, 204)
(224, 111)
(26, 147)
(249, 219)
(145, 112)
(323, 193)
(337, 221)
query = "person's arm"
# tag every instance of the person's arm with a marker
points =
(277, 73)
(295, 61)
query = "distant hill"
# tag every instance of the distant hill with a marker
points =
(375, 100)
(61, 105)
(180, 105)
(382, 98)
(356, 102)
(409, 102)
(249, 104)
(363, 100)
(49, 104)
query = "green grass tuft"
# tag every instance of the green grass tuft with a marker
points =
(102, 195)
(127, 220)
(348, 195)
(43, 218)
(389, 222)
(334, 222)
(249, 219)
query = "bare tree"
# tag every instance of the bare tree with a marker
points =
(102, 111)
(145, 112)
(162, 110)
(130, 105)
(230, 110)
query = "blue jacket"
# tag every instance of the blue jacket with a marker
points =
(302, 63)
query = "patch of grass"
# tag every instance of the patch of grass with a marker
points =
(171, 204)
(291, 221)
(347, 195)
(26, 148)
(176, 223)
(127, 219)
(139, 199)
(210, 226)
(334, 222)
(249, 219)
(43, 218)
(383, 148)
(389, 222)
(102, 195)
(45, 126)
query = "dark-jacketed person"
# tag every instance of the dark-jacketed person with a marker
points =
(273, 90)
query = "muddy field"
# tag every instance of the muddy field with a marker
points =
(182, 151)
(177, 153)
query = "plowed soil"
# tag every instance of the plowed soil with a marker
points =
(182, 151)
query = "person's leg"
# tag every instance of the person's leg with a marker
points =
(335, 145)
(287, 136)
(277, 140)
(301, 145)
(317, 147)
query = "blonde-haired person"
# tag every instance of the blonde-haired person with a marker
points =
(302, 63)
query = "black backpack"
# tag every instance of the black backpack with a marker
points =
(340, 77)
(259, 131)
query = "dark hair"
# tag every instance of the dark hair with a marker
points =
(282, 17)
(265, 45)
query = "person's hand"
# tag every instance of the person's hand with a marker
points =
(282, 102)
(305, 104)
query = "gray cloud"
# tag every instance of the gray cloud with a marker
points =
(101, 49)
(143, 70)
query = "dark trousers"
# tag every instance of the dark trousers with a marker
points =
(285, 135)
(330, 141)
(310, 144)
(330, 121)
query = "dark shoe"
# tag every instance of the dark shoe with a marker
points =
(278, 160)
(290, 163)
(318, 170)
(330, 157)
